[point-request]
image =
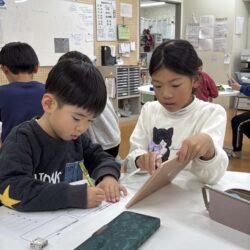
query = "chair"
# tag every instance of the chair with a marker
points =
(237, 102)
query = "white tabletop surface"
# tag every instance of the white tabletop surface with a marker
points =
(145, 89)
(185, 223)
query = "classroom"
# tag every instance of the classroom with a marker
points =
(164, 126)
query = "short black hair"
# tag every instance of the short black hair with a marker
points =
(176, 55)
(75, 54)
(74, 82)
(19, 57)
(199, 62)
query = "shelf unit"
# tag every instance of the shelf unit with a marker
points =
(126, 94)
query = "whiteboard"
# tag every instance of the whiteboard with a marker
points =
(51, 27)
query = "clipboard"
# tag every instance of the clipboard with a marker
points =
(162, 177)
(123, 32)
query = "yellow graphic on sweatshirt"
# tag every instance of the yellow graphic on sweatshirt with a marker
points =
(5, 198)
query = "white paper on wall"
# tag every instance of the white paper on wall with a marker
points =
(205, 44)
(206, 33)
(239, 23)
(125, 10)
(221, 28)
(220, 44)
(207, 20)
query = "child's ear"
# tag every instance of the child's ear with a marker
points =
(5, 69)
(35, 69)
(195, 82)
(48, 102)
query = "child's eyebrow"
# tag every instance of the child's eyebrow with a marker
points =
(173, 80)
(85, 116)
(80, 114)
(170, 81)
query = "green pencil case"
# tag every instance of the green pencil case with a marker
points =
(128, 231)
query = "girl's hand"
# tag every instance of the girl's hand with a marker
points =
(148, 162)
(112, 188)
(198, 146)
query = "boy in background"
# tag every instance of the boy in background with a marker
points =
(20, 100)
(105, 128)
(206, 87)
(240, 123)
(41, 156)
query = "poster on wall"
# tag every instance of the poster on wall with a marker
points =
(207, 21)
(210, 34)
(192, 33)
(220, 34)
(206, 32)
(106, 20)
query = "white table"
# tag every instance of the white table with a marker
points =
(228, 91)
(185, 223)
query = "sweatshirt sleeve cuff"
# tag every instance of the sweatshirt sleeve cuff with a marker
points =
(77, 196)
(130, 160)
(211, 171)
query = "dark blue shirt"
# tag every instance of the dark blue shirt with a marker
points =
(245, 89)
(19, 102)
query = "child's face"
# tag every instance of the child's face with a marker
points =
(172, 90)
(68, 122)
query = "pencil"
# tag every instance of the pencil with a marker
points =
(86, 174)
(130, 174)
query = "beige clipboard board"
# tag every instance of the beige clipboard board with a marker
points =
(162, 177)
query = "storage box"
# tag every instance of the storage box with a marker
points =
(230, 207)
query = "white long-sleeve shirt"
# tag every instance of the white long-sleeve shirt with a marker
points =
(171, 128)
(105, 128)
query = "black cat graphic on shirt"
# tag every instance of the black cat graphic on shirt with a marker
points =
(162, 140)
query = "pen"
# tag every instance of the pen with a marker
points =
(86, 174)
(230, 80)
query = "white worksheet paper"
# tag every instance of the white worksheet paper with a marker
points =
(25, 227)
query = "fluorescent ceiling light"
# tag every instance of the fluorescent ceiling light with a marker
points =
(152, 4)
(20, 1)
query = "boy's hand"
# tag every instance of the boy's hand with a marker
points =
(95, 196)
(198, 146)
(112, 188)
(148, 162)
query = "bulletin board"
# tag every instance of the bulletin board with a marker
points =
(51, 27)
